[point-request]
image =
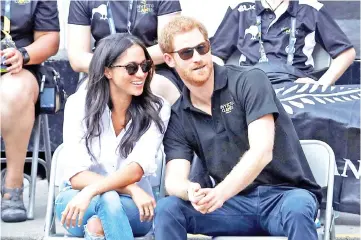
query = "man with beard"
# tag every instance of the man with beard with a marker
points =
(233, 121)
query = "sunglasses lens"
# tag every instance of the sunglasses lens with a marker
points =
(186, 54)
(202, 48)
(131, 68)
(146, 66)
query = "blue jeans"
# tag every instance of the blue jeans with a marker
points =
(264, 211)
(118, 214)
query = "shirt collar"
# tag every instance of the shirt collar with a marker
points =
(220, 82)
(292, 8)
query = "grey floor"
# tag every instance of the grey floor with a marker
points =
(347, 225)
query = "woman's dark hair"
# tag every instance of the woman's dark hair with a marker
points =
(143, 109)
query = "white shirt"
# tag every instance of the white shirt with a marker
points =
(75, 157)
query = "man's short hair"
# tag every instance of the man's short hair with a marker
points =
(177, 25)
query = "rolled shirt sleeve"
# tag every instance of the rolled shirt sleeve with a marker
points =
(145, 150)
(325, 26)
(75, 157)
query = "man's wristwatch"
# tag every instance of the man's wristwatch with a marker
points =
(26, 57)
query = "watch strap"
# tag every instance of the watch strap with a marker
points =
(26, 57)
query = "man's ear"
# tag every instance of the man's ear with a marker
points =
(108, 73)
(169, 60)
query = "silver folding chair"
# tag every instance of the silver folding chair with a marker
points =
(50, 231)
(41, 123)
(321, 58)
(321, 160)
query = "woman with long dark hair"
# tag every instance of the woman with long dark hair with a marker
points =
(143, 19)
(112, 132)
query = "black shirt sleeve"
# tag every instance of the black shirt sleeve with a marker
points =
(175, 143)
(46, 16)
(166, 7)
(330, 35)
(257, 96)
(225, 39)
(79, 13)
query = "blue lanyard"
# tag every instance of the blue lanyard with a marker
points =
(291, 45)
(7, 8)
(292, 42)
(262, 51)
(110, 19)
(130, 8)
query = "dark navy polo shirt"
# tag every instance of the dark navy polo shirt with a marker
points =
(28, 16)
(238, 30)
(220, 140)
(143, 17)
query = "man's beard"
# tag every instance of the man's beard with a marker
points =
(194, 78)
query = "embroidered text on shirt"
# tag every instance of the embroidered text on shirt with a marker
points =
(227, 108)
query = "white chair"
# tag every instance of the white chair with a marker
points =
(321, 160)
(41, 123)
(157, 183)
(321, 58)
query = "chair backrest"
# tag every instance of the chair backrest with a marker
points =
(157, 180)
(321, 58)
(321, 160)
(58, 170)
(157, 183)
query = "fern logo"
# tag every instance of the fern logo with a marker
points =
(300, 95)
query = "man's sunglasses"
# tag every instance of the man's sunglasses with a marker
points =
(132, 67)
(187, 53)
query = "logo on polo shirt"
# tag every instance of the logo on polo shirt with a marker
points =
(243, 8)
(228, 107)
(102, 10)
(253, 30)
(144, 8)
(22, 2)
(286, 30)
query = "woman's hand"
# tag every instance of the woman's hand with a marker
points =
(77, 207)
(145, 203)
(14, 59)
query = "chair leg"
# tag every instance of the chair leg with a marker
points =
(34, 168)
(332, 228)
(47, 147)
(53, 225)
(50, 213)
